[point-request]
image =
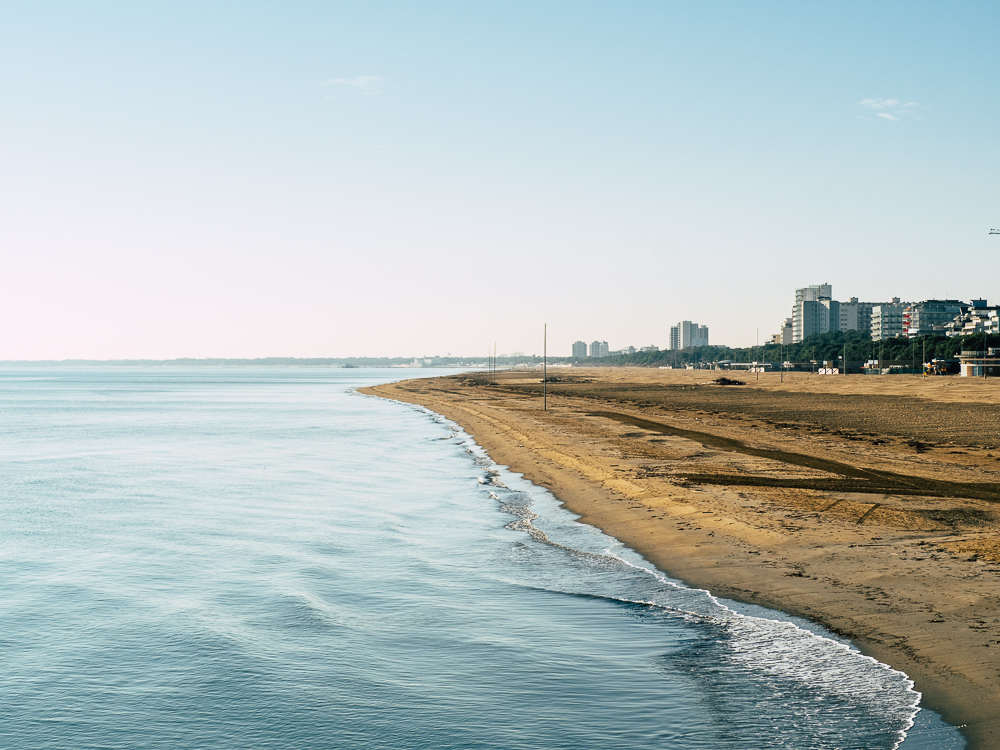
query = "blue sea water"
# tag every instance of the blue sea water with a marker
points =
(263, 558)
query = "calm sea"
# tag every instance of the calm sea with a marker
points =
(262, 558)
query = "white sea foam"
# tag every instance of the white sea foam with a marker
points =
(772, 646)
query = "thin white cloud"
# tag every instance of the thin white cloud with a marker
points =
(367, 85)
(889, 109)
(879, 103)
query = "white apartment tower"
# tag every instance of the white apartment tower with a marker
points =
(855, 316)
(599, 349)
(686, 334)
(580, 350)
(815, 312)
(786, 332)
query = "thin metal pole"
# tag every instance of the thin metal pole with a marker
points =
(545, 368)
(757, 368)
(985, 323)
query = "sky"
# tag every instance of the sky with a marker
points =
(326, 179)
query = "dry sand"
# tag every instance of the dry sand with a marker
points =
(870, 505)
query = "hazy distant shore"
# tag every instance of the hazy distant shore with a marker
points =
(259, 362)
(869, 505)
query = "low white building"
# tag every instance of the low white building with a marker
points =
(978, 364)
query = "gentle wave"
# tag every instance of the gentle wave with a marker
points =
(261, 559)
(774, 647)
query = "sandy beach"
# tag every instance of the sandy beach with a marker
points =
(870, 505)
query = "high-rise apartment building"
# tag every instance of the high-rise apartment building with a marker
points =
(599, 349)
(932, 316)
(580, 350)
(856, 316)
(686, 334)
(887, 320)
(815, 311)
(786, 332)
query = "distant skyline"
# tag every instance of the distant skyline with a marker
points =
(322, 179)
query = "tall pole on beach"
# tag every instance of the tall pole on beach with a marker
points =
(545, 368)
(986, 326)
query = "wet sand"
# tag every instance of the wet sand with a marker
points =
(870, 505)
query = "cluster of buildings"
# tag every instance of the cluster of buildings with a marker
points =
(815, 311)
(599, 349)
(684, 335)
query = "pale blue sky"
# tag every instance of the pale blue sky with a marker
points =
(335, 179)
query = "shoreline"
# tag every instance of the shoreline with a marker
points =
(753, 544)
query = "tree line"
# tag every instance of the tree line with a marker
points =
(823, 347)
